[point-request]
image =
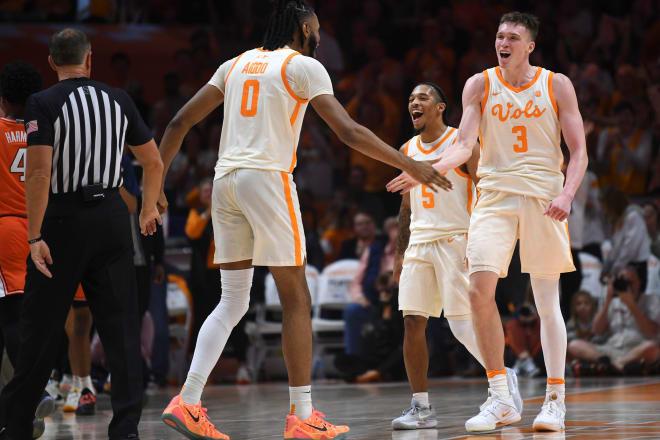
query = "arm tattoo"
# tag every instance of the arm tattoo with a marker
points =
(404, 226)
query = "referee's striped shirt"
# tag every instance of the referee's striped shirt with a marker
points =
(87, 123)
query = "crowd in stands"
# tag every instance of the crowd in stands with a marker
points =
(375, 52)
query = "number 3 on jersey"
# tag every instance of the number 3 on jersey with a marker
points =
(250, 97)
(18, 165)
(522, 137)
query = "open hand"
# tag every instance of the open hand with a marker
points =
(402, 183)
(424, 173)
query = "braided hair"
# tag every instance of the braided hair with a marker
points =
(284, 22)
(440, 98)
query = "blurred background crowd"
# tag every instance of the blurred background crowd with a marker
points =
(161, 52)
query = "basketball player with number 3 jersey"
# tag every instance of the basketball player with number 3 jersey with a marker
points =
(255, 212)
(430, 254)
(518, 112)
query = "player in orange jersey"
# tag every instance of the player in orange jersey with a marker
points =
(255, 212)
(519, 111)
(17, 82)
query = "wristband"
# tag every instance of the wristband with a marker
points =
(35, 240)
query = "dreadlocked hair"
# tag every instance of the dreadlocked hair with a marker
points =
(284, 22)
(441, 98)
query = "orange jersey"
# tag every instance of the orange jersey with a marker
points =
(12, 168)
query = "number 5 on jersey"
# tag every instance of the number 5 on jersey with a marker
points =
(18, 165)
(250, 97)
(428, 201)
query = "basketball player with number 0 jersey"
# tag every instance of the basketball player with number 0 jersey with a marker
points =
(255, 212)
(519, 113)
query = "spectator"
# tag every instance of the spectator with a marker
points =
(359, 198)
(377, 259)
(630, 240)
(376, 108)
(651, 220)
(339, 227)
(624, 152)
(120, 67)
(593, 233)
(364, 229)
(523, 340)
(166, 107)
(315, 255)
(205, 278)
(583, 309)
(382, 357)
(631, 320)
(432, 59)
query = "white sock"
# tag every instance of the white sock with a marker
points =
(556, 385)
(215, 331)
(463, 331)
(77, 383)
(497, 383)
(67, 379)
(86, 382)
(300, 399)
(553, 328)
(422, 398)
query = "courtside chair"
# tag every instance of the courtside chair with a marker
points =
(180, 312)
(265, 332)
(333, 296)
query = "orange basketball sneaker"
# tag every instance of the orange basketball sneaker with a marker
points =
(191, 420)
(315, 428)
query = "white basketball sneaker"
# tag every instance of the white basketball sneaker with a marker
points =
(512, 382)
(71, 403)
(496, 412)
(416, 417)
(551, 417)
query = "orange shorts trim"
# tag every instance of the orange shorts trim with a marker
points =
(13, 254)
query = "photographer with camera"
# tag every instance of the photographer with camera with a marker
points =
(632, 321)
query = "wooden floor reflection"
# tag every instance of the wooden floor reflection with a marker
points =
(597, 409)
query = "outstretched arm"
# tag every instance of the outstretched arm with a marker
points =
(468, 130)
(366, 142)
(571, 124)
(204, 102)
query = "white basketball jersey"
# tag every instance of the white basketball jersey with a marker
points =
(520, 137)
(439, 214)
(265, 97)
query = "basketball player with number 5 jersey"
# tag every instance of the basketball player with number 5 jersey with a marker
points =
(518, 112)
(255, 212)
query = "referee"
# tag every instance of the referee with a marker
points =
(79, 232)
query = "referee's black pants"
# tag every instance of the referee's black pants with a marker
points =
(89, 243)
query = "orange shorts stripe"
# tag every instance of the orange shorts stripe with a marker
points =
(493, 373)
(292, 217)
